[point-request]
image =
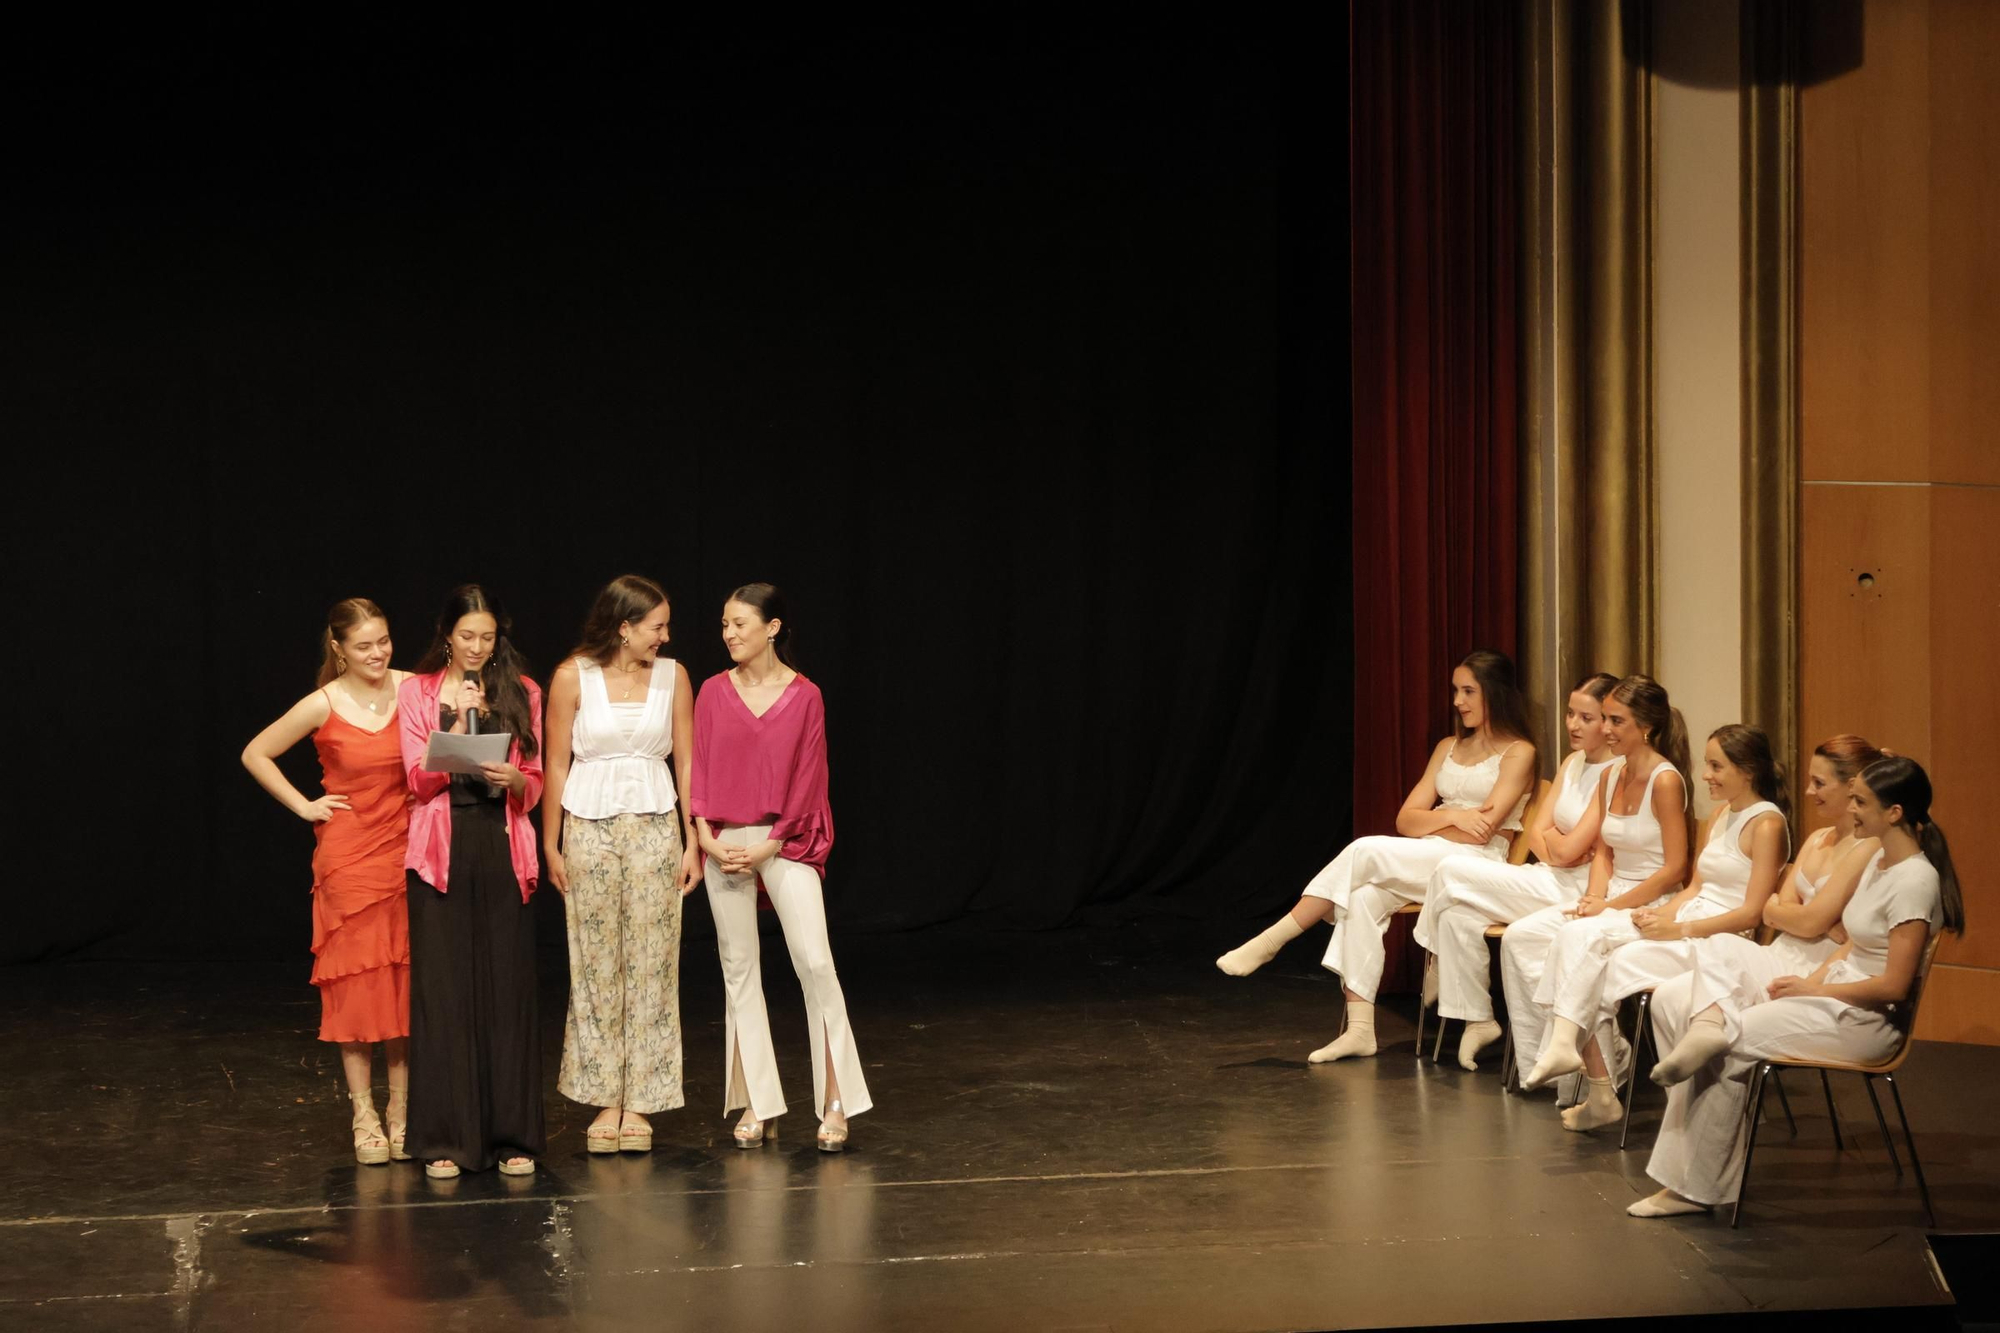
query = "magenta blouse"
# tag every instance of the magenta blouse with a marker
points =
(764, 770)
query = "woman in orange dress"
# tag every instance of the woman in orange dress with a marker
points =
(361, 943)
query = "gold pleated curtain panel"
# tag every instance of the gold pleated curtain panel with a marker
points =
(1590, 585)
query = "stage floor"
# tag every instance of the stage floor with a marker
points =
(1080, 1130)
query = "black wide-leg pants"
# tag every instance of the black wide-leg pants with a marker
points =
(475, 1045)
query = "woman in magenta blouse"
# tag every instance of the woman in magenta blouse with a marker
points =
(758, 795)
(475, 1046)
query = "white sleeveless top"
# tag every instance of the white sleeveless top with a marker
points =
(1466, 786)
(1724, 865)
(618, 765)
(1574, 791)
(1637, 852)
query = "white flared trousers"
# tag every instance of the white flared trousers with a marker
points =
(1596, 961)
(752, 1065)
(1466, 895)
(1699, 1151)
(1366, 883)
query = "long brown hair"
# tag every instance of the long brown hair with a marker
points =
(501, 677)
(629, 597)
(342, 619)
(1506, 712)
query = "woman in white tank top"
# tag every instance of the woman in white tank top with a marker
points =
(1740, 970)
(1742, 862)
(1641, 858)
(1469, 893)
(621, 851)
(1469, 799)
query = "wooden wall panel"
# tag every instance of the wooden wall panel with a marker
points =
(1899, 381)
(1965, 261)
(1864, 221)
(1965, 704)
(1850, 678)
(1961, 1004)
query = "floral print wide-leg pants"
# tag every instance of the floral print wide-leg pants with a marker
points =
(622, 1041)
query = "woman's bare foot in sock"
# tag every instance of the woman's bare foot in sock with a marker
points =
(1478, 1036)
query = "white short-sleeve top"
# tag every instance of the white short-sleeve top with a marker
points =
(618, 764)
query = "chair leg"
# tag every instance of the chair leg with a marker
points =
(1910, 1141)
(1422, 1013)
(1784, 1101)
(1889, 1142)
(1639, 1034)
(1832, 1116)
(1749, 1148)
(1507, 1062)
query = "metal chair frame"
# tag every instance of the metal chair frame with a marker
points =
(1767, 1072)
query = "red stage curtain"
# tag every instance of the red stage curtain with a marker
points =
(1433, 200)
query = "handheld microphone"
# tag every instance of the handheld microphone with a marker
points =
(472, 714)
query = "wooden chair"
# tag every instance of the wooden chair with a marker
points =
(1517, 854)
(1886, 1071)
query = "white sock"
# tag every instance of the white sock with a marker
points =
(1559, 1055)
(1262, 948)
(1705, 1039)
(1359, 1039)
(1600, 1106)
(1478, 1036)
(1665, 1204)
(1429, 995)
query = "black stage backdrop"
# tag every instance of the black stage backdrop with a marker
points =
(1018, 358)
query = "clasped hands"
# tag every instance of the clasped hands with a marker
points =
(1654, 924)
(741, 858)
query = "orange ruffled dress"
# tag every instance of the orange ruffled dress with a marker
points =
(361, 919)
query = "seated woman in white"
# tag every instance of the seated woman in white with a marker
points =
(1598, 963)
(1849, 1009)
(1641, 858)
(1469, 799)
(1469, 893)
(1805, 915)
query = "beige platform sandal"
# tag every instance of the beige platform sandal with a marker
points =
(371, 1147)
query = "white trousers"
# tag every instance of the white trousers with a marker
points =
(1699, 1151)
(1366, 883)
(794, 890)
(1466, 895)
(1579, 984)
(1524, 953)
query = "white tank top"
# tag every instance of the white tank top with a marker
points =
(1637, 852)
(618, 766)
(1576, 785)
(1724, 865)
(1907, 891)
(1466, 786)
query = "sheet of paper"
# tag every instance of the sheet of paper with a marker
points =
(450, 752)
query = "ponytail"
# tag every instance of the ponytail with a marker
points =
(1674, 744)
(1898, 781)
(1938, 852)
